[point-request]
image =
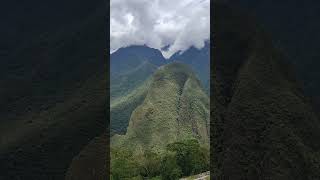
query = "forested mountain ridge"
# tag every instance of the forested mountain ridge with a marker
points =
(175, 108)
(263, 127)
(294, 26)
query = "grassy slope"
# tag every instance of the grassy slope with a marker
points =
(162, 117)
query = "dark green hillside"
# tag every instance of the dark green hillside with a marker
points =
(91, 162)
(130, 67)
(122, 107)
(175, 108)
(123, 84)
(295, 28)
(53, 98)
(263, 127)
(127, 91)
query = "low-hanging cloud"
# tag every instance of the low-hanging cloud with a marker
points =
(158, 23)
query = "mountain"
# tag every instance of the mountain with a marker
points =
(126, 82)
(127, 58)
(296, 33)
(199, 60)
(91, 162)
(175, 107)
(54, 91)
(131, 69)
(122, 107)
(263, 126)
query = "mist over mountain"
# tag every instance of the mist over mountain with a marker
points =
(159, 23)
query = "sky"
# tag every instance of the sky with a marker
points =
(178, 24)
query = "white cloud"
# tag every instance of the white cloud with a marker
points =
(158, 23)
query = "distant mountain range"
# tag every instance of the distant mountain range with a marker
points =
(131, 71)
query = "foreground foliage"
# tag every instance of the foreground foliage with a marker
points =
(180, 159)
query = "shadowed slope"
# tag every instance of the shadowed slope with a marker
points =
(263, 127)
(54, 101)
(91, 163)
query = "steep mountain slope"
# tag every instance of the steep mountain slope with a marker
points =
(199, 60)
(122, 107)
(262, 127)
(54, 98)
(91, 162)
(295, 28)
(175, 108)
(132, 66)
(124, 83)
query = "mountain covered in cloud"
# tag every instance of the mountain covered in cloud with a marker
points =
(159, 23)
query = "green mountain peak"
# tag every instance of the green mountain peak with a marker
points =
(175, 108)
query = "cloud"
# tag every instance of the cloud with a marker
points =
(158, 23)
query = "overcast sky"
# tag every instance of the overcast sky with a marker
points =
(158, 23)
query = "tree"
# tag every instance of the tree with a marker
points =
(123, 165)
(169, 168)
(190, 157)
(150, 164)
